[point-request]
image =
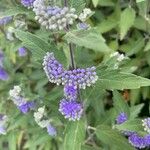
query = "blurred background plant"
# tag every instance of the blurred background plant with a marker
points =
(115, 38)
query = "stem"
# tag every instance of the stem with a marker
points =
(71, 49)
(65, 2)
(72, 56)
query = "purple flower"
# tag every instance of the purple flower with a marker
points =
(146, 124)
(71, 109)
(137, 141)
(147, 139)
(53, 68)
(22, 51)
(51, 130)
(82, 26)
(23, 105)
(80, 78)
(3, 74)
(5, 20)
(70, 91)
(121, 118)
(25, 108)
(27, 3)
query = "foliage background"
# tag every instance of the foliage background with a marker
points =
(117, 25)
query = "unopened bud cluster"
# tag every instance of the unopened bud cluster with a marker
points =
(53, 17)
(146, 124)
(40, 118)
(85, 14)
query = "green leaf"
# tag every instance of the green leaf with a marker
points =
(112, 138)
(131, 125)
(14, 11)
(12, 139)
(113, 79)
(88, 38)
(106, 3)
(95, 2)
(86, 147)
(37, 45)
(147, 47)
(120, 103)
(74, 135)
(138, 1)
(107, 24)
(78, 5)
(126, 21)
(136, 46)
(135, 110)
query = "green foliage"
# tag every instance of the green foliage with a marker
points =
(126, 21)
(89, 39)
(122, 85)
(131, 125)
(74, 135)
(112, 138)
(114, 79)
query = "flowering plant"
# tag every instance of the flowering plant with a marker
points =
(74, 74)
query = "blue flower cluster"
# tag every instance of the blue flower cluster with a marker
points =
(80, 78)
(20, 101)
(71, 109)
(22, 51)
(3, 74)
(135, 139)
(73, 80)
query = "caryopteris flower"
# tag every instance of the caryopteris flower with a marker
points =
(147, 140)
(41, 119)
(71, 109)
(78, 77)
(3, 120)
(137, 141)
(20, 101)
(3, 74)
(70, 91)
(27, 3)
(121, 118)
(26, 107)
(5, 20)
(53, 68)
(83, 26)
(146, 124)
(22, 51)
(51, 130)
(53, 17)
